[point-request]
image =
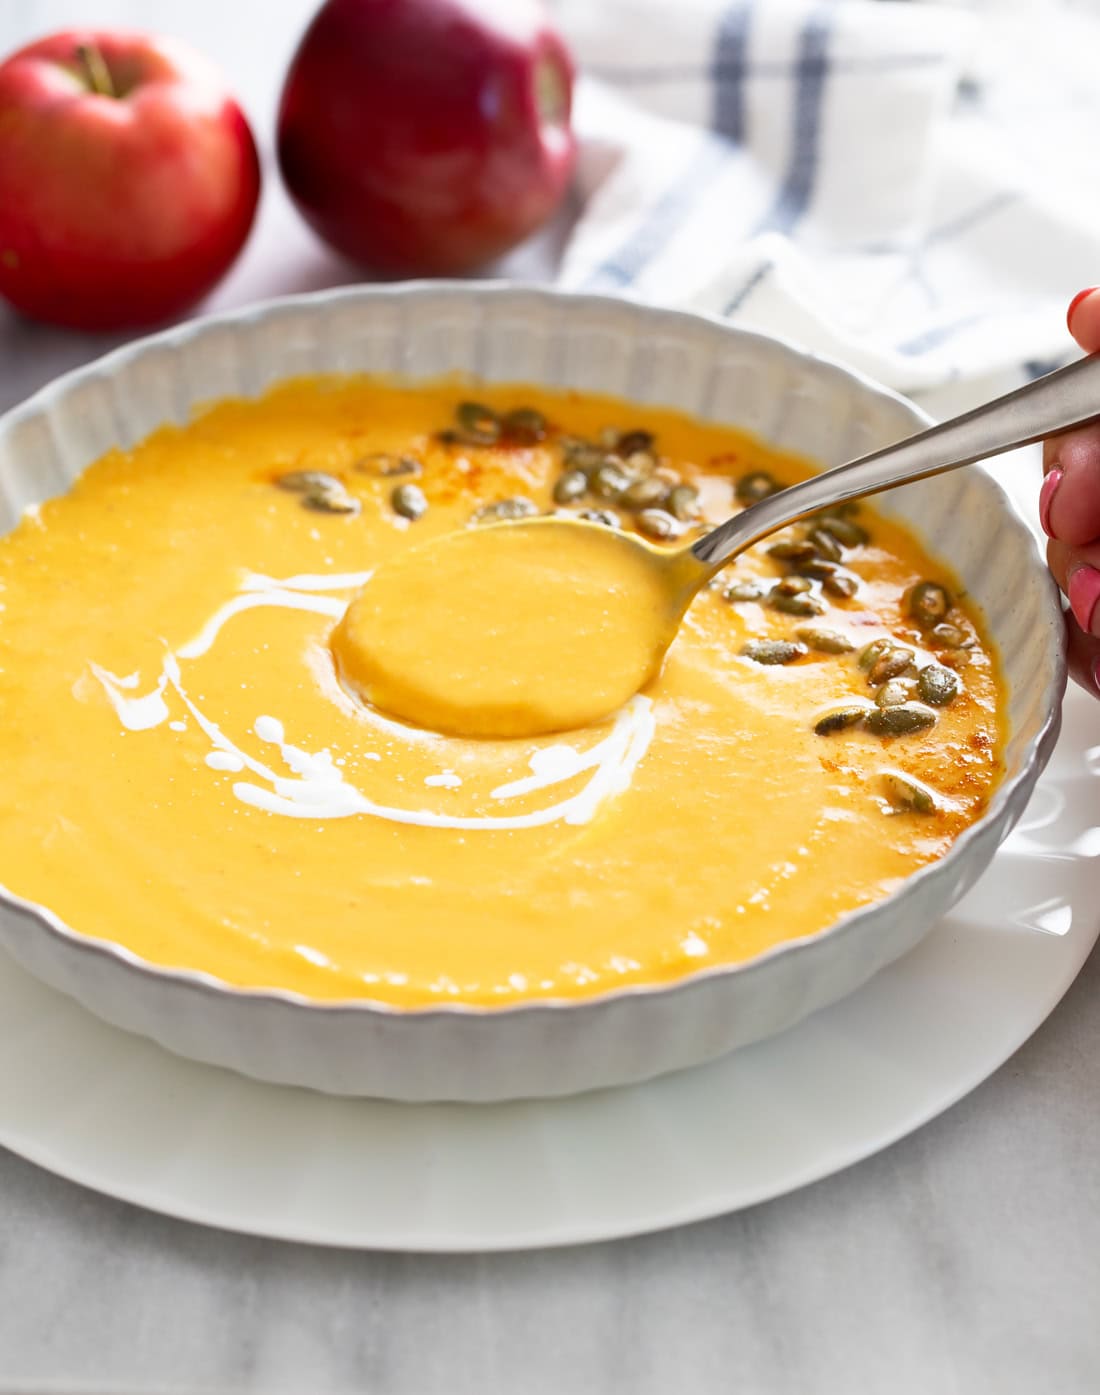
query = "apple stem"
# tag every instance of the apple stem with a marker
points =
(96, 72)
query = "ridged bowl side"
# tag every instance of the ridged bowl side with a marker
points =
(504, 333)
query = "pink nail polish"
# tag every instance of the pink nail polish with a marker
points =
(1046, 498)
(1084, 592)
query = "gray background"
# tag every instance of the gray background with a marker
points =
(964, 1260)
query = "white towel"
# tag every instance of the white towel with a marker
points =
(911, 188)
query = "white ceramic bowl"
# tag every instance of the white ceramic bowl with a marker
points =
(601, 345)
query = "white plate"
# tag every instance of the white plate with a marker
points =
(117, 1113)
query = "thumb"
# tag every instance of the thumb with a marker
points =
(1083, 318)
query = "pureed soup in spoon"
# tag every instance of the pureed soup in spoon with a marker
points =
(194, 776)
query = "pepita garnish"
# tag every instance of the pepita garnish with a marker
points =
(408, 500)
(844, 530)
(505, 510)
(824, 641)
(870, 654)
(805, 605)
(792, 586)
(891, 663)
(894, 692)
(928, 603)
(336, 500)
(657, 524)
(634, 443)
(683, 502)
(570, 487)
(609, 482)
(839, 719)
(773, 651)
(906, 795)
(948, 636)
(604, 516)
(582, 455)
(644, 494)
(841, 584)
(480, 425)
(937, 685)
(524, 425)
(825, 545)
(793, 550)
(308, 482)
(388, 466)
(743, 591)
(751, 488)
(902, 720)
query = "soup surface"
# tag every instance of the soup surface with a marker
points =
(198, 781)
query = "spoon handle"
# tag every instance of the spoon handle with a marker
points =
(1063, 399)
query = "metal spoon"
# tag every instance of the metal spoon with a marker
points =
(550, 623)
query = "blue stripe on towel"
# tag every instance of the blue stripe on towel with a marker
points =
(671, 211)
(811, 73)
(738, 68)
(731, 51)
(939, 334)
(749, 285)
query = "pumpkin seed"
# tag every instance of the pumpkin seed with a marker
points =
(506, 510)
(604, 516)
(336, 500)
(795, 550)
(683, 502)
(524, 425)
(900, 721)
(825, 545)
(582, 455)
(743, 591)
(751, 488)
(817, 568)
(928, 603)
(644, 494)
(655, 523)
(949, 636)
(569, 487)
(773, 651)
(938, 685)
(408, 500)
(609, 437)
(892, 663)
(906, 795)
(633, 442)
(806, 604)
(308, 482)
(846, 532)
(388, 466)
(894, 692)
(870, 654)
(640, 462)
(839, 719)
(957, 658)
(824, 641)
(609, 482)
(792, 586)
(480, 424)
(842, 584)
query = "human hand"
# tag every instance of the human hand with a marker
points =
(1069, 509)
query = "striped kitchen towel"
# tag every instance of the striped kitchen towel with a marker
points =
(911, 188)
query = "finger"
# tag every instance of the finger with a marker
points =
(1083, 319)
(1069, 502)
(1084, 657)
(1077, 572)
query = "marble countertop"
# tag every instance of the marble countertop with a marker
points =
(964, 1260)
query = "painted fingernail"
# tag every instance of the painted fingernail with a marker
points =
(1075, 302)
(1096, 675)
(1084, 592)
(1046, 498)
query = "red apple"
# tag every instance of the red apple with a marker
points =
(128, 179)
(427, 136)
